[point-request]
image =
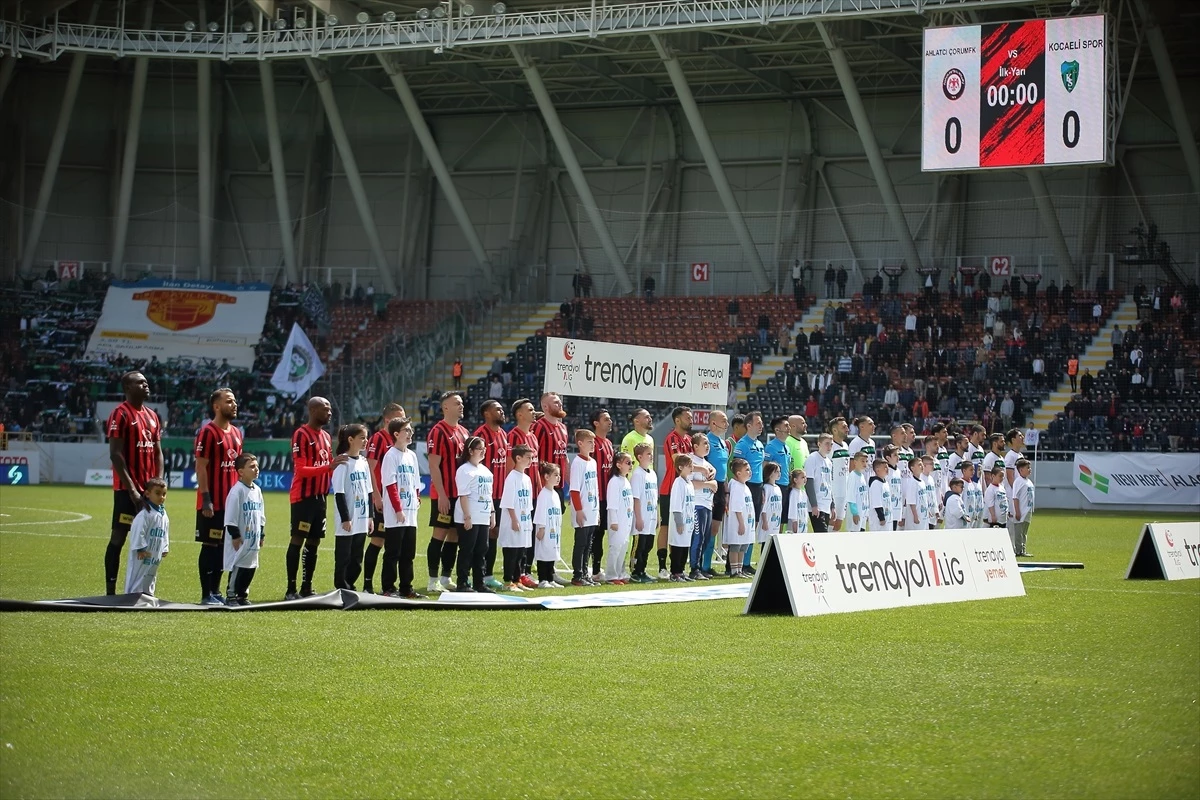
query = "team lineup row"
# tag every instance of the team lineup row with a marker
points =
(499, 491)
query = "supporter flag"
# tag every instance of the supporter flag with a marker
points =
(299, 367)
(314, 306)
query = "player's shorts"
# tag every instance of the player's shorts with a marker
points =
(377, 526)
(308, 517)
(437, 520)
(664, 510)
(719, 503)
(210, 531)
(124, 511)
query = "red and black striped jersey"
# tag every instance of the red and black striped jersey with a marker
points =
(673, 445)
(447, 442)
(604, 462)
(552, 442)
(140, 432)
(311, 456)
(377, 448)
(496, 457)
(517, 436)
(221, 448)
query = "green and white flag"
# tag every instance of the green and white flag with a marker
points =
(300, 366)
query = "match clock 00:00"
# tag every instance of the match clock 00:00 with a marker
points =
(1015, 94)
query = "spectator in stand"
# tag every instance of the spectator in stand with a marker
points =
(842, 278)
(747, 370)
(456, 372)
(1097, 313)
(802, 343)
(764, 329)
(1117, 339)
(1052, 297)
(798, 284)
(839, 316)
(814, 345)
(830, 281)
(733, 309)
(648, 288)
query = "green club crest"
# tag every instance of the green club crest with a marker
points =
(298, 364)
(1070, 74)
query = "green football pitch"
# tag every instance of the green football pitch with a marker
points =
(1087, 687)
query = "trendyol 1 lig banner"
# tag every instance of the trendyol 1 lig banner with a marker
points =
(189, 319)
(627, 372)
(1147, 479)
(829, 573)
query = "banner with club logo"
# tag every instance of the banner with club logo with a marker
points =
(182, 319)
(829, 573)
(1148, 479)
(627, 372)
(299, 365)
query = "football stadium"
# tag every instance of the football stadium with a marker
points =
(666, 399)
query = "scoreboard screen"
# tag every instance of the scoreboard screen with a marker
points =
(1015, 94)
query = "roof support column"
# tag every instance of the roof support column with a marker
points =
(715, 169)
(1045, 206)
(563, 143)
(266, 77)
(1170, 87)
(883, 179)
(54, 154)
(325, 89)
(425, 137)
(204, 172)
(137, 98)
(8, 65)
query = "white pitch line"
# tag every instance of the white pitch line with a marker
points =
(79, 517)
(1114, 591)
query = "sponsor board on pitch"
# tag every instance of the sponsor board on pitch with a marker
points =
(810, 574)
(20, 469)
(1143, 478)
(1166, 551)
(627, 372)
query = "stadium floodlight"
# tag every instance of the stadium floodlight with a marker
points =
(439, 12)
(390, 16)
(189, 26)
(422, 13)
(362, 18)
(467, 9)
(281, 24)
(331, 20)
(499, 9)
(248, 26)
(213, 27)
(301, 23)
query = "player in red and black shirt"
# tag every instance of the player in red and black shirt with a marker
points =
(602, 424)
(312, 471)
(135, 449)
(218, 444)
(678, 441)
(522, 433)
(377, 448)
(551, 435)
(496, 440)
(444, 446)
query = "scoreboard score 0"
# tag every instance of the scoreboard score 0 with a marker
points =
(1015, 94)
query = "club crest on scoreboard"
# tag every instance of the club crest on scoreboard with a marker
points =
(954, 83)
(1069, 70)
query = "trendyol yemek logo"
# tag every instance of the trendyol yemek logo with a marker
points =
(1092, 478)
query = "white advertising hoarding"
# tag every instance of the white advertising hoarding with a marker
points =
(1147, 479)
(831, 573)
(182, 319)
(1167, 551)
(627, 372)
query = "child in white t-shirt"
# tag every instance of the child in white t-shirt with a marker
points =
(772, 504)
(738, 531)
(475, 515)
(706, 489)
(895, 481)
(245, 529)
(682, 521)
(995, 499)
(585, 506)
(957, 516)
(879, 497)
(547, 518)
(620, 518)
(644, 487)
(915, 514)
(1022, 507)
(351, 489)
(857, 493)
(516, 518)
(819, 470)
(798, 503)
(972, 495)
(149, 539)
(400, 483)
(933, 503)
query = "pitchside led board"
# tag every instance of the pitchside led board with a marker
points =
(1015, 94)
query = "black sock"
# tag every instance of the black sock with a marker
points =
(309, 565)
(433, 557)
(112, 562)
(293, 566)
(449, 554)
(369, 562)
(215, 581)
(244, 576)
(202, 567)
(490, 564)
(662, 558)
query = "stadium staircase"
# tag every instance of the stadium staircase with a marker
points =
(1095, 358)
(495, 337)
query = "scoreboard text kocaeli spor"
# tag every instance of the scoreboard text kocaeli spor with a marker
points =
(1015, 94)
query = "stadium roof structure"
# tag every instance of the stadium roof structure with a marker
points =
(465, 55)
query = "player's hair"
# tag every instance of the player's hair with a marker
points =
(391, 409)
(638, 411)
(908, 426)
(127, 378)
(993, 439)
(152, 482)
(960, 438)
(617, 459)
(468, 446)
(548, 468)
(1011, 434)
(396, 425)
(858, 421)
(639, 448)
(679, 411)
(777, 421)
(486, 404)
(520, 450)
(244, 459)
(770, 471)
(447, 395)
(542, 399)
(929, 440)
(738, 419)
(955, 482)
(736, 464)
(595, 416)
(937, 428)
(977, 428)
(215, 396)
(899, 426)
(583, 434)
(681, 460)
(796, 473)
(1023, 462)
(520, 401)
(346, 433)
(833, 423)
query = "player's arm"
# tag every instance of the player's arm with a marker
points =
(206, 507)
(116, 454)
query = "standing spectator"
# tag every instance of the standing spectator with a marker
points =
(747, 370)
(801, 342)
(785, 334)
(1097, 313)
(586, 281)
(842, 277)
(1052, 297)
(798, 284)
(814, 345)
(1117, 339)
(764, 329)
(456, 372)
(733, 309)
(577, 283)
(830, 280)
(1073, 371)
(839, 317)
(648, 288)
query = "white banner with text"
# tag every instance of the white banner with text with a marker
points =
(1166, 551)
(628, 372)
(829, 573)
(1149, 479)
(182, 319)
